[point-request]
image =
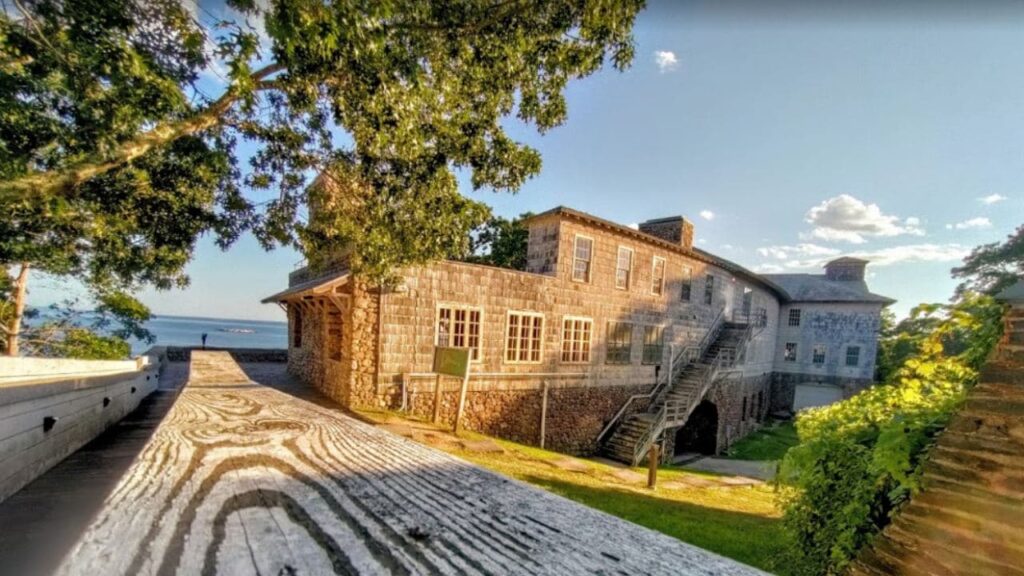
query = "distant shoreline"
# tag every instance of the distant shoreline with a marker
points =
(175, 316)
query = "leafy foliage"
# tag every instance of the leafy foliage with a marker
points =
(65, 331)
(500, 242)
(859, 459)
(113, 160)
(991, 267)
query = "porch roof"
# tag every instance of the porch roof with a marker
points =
(312, 287)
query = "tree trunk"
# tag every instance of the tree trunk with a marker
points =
(14, 329)
(63, 180)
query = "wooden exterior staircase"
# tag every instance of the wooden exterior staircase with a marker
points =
(627, 438)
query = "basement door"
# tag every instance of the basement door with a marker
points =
(811, 395)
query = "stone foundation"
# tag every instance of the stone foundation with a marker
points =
(575, 414)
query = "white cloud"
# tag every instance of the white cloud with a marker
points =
(847, 219)
(633, 225)
(665, 60)
(803, 249)
(881, 257)
(707, 214)
(991, 199)
(702, 241)
(972, 223)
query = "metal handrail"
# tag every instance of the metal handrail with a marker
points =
(711, 374)
(674, 370)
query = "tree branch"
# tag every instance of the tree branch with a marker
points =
(63, 180)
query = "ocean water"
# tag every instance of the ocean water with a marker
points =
(220, 333)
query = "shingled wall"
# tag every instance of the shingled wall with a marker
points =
(969, 518)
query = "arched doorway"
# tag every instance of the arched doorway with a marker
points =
(700, 433)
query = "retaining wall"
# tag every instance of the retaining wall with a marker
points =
(43, 419)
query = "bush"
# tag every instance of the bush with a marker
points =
(858, 460)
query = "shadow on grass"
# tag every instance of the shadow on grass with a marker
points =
(748, 538)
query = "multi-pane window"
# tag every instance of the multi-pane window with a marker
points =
(297, 329)
(852, 355)
(624, 268)
(654, 344)
(620, 343)
(790, 352)
(794, 316)
(459, 327)
(687, 284)
(818, 354)
(658, 276)
(709, 289)
(524, 338)
(576, 339)
(334, 333)
(583, 253)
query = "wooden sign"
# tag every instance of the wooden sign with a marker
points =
(451, 361)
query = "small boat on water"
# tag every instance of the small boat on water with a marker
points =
(238, 330)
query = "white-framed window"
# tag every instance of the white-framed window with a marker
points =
(794, 316)
(789, 355)
(818, 354)
(624, 268)
(709, 289)
(582, 256)
(658, 276)
(459, 327)
(654, 344)
(853, 355)
(576, 336)
(620, 343)
(524, 337)
(686, 290)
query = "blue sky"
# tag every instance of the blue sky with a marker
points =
(788, 137)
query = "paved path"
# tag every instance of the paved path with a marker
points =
(244, 479)
(40, 523)
(760, 469)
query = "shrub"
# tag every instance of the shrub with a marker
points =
(858, 460)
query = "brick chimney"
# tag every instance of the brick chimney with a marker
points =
(845, 269)
(674, 229)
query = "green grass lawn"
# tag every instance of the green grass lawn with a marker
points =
(738, 522)
(769, 443)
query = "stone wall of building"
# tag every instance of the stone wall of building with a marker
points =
(837, 326)
(575, 414)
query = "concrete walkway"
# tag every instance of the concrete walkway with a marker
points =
(759, 469)
(245, 479)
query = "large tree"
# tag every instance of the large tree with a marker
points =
(385, 98)
(991, 267)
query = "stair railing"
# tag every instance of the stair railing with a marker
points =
(677, 362)
(675, 411)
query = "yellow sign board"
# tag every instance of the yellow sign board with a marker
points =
(451, 361)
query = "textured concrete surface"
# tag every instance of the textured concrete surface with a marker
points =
(42, 521)
(245, 479)
(759, 469)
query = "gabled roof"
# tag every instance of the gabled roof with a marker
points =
(818, 288)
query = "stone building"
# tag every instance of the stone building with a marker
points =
(612, 338)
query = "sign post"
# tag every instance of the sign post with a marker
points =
(451, 362)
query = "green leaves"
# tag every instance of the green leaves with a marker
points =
(858, 460)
